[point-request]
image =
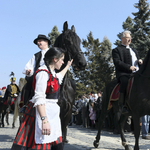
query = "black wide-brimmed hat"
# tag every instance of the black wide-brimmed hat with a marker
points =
(40, 36)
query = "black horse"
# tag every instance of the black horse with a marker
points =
(5, 109)
(138, 101)
(70, 42)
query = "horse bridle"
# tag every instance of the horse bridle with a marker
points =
(68, 50)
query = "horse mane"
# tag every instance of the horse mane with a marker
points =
(68, 34)
(145, 63)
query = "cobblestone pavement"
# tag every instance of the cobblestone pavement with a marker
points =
(79, 139)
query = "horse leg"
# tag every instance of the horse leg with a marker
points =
(3, 115)
(100, 125)
(121, 127)
(13, 124)
(136, 122)
(7, 117)
(116, 119)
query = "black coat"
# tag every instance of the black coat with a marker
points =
(123, 60)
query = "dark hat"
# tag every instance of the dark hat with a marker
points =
(40, 36)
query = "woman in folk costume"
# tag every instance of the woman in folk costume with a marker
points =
(41, 128)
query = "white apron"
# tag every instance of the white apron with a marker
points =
(52, 112)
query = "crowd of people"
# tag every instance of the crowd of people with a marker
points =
(87, 109)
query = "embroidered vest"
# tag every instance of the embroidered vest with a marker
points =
(54, 85)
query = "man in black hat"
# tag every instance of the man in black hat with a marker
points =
(34, 63)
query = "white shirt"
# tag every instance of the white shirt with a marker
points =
(31, 63)
(134, 59)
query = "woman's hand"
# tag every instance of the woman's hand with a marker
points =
(46, 130)
(69, 63)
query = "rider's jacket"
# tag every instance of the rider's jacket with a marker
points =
(123, 60)
(11, 90)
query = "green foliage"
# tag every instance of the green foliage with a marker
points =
(99, 68)
(53, 35)
(141, 30)
(139, 27)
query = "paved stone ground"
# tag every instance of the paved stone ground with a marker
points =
(79, 139)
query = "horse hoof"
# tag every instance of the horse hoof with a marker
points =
(95, 144)
(128, 147)
(66, 141)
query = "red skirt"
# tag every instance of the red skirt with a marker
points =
(25, 136)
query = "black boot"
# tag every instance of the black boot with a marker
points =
(122, 107)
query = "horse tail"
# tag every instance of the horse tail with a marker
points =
(68, 108)
(16, 111)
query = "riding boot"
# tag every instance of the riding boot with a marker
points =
(122, 107)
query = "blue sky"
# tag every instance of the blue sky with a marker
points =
(22, 20)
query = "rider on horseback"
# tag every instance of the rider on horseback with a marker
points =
(126, 61)
(33, 64)
(12, 91)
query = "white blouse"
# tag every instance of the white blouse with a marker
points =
(41, 85)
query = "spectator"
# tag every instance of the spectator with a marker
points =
(98, 105)
(3, 91)
(79, 110)
(92, 115)
(92, 97)
(85, 111)
(145, 127)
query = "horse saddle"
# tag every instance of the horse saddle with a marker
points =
(9, 101)
(115, 92)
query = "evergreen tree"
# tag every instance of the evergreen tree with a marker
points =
(127, 25)
(99, 64)
(139, 27)
(141, 30)
(53, 35)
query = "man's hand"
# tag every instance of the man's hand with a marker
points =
(133, 68)
(28, 72)
(15, 95)
(140, 61)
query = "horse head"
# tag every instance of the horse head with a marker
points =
(70, 42)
